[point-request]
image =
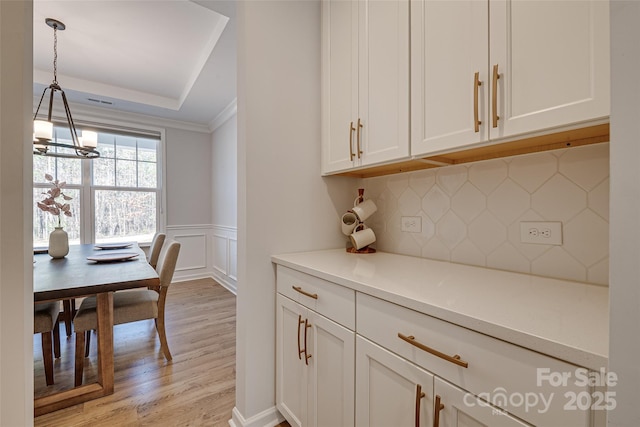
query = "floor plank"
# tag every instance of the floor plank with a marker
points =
(197, 388)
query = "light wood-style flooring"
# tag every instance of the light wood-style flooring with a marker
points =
(196, 389)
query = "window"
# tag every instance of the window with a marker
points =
(115, 197)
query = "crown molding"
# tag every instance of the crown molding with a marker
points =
(228, 112)
(88, 113)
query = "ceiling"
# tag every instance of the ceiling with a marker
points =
(173, 59)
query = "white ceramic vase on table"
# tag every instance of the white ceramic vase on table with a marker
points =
(58, 243)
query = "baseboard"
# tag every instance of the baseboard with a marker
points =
(225, 282)
(186, 277)
(268, 418)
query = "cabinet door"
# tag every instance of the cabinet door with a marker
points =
(331, 373)
(448, 47)
(389, 389)
(291, 389)
(383, 80)
(339, 84)
(553, 63)
(462, 409)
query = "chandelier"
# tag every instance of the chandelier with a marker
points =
(83, 147)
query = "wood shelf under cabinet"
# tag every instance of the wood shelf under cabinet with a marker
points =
(554, 141)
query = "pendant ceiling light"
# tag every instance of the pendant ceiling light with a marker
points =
(83, 147)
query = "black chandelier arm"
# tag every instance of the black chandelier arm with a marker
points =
(35, 116)
(72, 126)
(84, 152)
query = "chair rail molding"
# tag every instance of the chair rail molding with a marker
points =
(208, 250)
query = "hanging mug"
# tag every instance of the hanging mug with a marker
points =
(362, 236)
(348, 222)
(364, 209)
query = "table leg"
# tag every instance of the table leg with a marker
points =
(104, 311)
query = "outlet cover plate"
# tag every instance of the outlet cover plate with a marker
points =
(411, 224)
(541, 233)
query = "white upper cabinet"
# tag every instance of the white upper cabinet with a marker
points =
(541, 65)
(449, 48)
(365, 83)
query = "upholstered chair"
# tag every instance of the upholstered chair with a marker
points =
(128, 306)
(45, 323)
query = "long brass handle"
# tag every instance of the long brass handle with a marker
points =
(476, 86)
(494, 96)
(300, 322)
(305, 293)
(436, 413)
(419, 396)
(453, 359)
(307, 325)
(351, 153)
(360, 126)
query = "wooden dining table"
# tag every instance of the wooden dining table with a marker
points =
(75, 276)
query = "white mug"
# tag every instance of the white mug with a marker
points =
(362, 237)
(364, 209)
(348, 222)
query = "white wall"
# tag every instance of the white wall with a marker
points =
(283, 203)
(624, 289)
(16, 270)
(224, 187)
(225, 174)
(188, 177)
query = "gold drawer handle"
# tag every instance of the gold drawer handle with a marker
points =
(305, 293)
(307, 356)
(453, 359)
(351, 130)
(300, 350)
(476, 85)
(419, 395)
(494, 96)
(438, 406)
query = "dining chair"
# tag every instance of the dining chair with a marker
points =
(128, 306)
(45, 323)
(156, 248)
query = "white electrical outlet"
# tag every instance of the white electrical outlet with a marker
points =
(541, 233)
(412, 224)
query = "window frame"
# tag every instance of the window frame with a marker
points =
(87, 190)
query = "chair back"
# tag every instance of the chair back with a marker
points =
(167, 263)
(156, 248)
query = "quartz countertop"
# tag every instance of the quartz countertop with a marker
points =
(564, 319)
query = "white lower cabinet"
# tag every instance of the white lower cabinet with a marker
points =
(346, 358)
(458, 408)
(390, 390)
(315, 367)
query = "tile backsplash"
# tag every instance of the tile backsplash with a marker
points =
(471, 213)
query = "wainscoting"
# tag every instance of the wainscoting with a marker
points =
(207, 251)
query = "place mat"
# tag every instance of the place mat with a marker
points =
(111, 257)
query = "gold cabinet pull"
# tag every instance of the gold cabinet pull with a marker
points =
(307, 325)
(360, 126)
(351, 130)
(419, 395)
(453, 359)
(305, 293)
(300, 322)
(476, 86)
(494, 96)
(436, 413)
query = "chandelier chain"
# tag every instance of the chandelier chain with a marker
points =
(55, 54)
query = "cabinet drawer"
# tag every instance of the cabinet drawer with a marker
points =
(333, 301)
(537, 388)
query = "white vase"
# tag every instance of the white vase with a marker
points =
(58, 243)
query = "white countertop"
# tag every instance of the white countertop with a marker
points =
(564, 319)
